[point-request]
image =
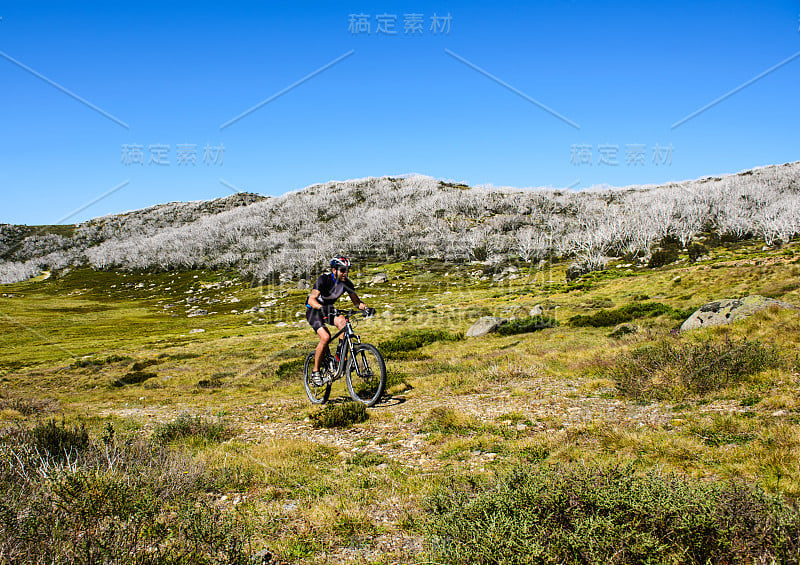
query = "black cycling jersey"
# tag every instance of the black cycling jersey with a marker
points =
(330, 289)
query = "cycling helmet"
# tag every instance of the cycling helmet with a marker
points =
(340, 263)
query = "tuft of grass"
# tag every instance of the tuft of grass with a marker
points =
(290, 370)
(671, 369)
(527, 325)
(341, 415)
(187, 426)
(446, 420)
(579, 514)
(367, 459)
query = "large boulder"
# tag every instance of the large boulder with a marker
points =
(379, 278)
(485, 325)
(730, 310)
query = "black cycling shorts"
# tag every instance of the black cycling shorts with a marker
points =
(318, 318)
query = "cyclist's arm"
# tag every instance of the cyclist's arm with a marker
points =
(357, 301)
(312, 299)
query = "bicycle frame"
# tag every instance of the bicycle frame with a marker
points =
(350, 338)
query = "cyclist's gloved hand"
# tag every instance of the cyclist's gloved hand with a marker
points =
(369, 312)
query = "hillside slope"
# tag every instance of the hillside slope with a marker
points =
(415, 215)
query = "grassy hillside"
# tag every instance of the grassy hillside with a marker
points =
(201, 443)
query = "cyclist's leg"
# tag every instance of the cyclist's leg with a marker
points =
(322, 346)
(315, 319)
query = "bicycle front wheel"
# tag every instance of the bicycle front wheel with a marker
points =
(366, 374)
(316, 394)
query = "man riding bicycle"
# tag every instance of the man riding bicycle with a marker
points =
(319, 307)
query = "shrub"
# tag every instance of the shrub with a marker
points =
(341, 415)
(596, 515)
(93, 362)
(411, 340)
(626, 313)
(671, 369)
(60, 441)
(527, 325)
(186, 426)
(662, 257)
(696, 250)
(214, 382)
(133, 378)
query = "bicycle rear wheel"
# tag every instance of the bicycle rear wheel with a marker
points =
(316, 394)
(366, 374)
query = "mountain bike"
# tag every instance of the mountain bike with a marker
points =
(361, 364)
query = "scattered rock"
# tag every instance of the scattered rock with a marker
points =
(536, 311)
(194, 313)
(379, 278)
(197, 331)
(485, 325)
(730, 310)
(302, 284)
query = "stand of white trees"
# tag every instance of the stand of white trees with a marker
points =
(417, 215)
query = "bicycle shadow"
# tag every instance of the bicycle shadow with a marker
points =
(386, 401)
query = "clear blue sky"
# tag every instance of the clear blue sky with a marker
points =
(175, 72)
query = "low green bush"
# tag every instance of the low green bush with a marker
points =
(527, 325)
(696, 250)
(60, 441)
(133, 378)
(186, 426)
(577, 514)
(96, 362)
(671, 369)
(605, 318)
(342, 415)
(410, 340)
(662, 257)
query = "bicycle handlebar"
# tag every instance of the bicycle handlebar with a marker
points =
(368, 313)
